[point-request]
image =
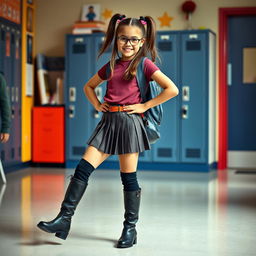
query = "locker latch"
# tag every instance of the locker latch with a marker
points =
(184, 112)
(185, 93)
(71, 111)
(72, 94)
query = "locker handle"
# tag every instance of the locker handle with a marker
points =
(13, 112)
(184, 112)
(96, 114)
(71, 111)
(229, 74)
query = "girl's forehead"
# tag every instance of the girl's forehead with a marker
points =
(130, 31)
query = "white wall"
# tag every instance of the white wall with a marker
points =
(54, 18)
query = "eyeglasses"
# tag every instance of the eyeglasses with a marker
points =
(132, 41)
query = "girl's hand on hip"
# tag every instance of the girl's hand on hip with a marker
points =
(136, 108)
(103, 107)
(4, 137)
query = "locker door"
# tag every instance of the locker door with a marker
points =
(12, 73)
(98, 63)
(194, 97)
(16, 95)
(6, 152)
(78, 71)
(2, 44)
(166, 149)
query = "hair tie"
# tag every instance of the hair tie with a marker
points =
(122, 17)
(143, 20)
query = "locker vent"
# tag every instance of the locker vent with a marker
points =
(142, 154)
(165, 46)
(79, 48)
(78, 150)
(2, 155)
(164, 152)
(193, 46)
(193, 152)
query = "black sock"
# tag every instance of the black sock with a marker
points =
(129, 181)
(83, 170)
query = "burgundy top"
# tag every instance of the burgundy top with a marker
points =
(121, 91)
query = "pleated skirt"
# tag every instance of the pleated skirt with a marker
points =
(120, 133)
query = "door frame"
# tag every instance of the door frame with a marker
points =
(224, 13)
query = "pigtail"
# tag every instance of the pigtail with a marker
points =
(150, 37)
(110, 34)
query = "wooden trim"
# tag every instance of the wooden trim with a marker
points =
(224, 13)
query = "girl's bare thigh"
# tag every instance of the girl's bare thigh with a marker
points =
(128, 162)
(94, 156)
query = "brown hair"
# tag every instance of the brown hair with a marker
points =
(147, 48)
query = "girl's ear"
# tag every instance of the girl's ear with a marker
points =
(142, 41)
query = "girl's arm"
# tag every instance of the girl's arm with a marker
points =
(170, 90)
(89, 90)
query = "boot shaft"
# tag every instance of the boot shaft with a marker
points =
(131, 205)
(74, 193)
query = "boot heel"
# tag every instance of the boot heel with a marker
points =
(62, 235)
(135, 240)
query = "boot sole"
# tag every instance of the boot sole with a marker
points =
(60, 234)
(127, 246)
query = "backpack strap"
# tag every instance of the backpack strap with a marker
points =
(141, 79)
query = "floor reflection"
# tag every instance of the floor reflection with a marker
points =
(202, 213)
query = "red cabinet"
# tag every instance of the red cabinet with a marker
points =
(48, 140)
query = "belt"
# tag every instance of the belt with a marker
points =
(120, 109)
(116, 109)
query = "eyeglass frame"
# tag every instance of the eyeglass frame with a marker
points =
(129, 40)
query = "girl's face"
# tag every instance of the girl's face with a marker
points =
(129, 41)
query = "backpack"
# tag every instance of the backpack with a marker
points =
(152, 117)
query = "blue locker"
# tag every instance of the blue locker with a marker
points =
(78, 71)
(188, 126)
(194, 97)
(97, 64)
(2, 44)
(6, 152)
(16, 123)
(11, 67)
(167, 148)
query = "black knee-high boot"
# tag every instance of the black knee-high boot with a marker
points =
(61, 224)
(131, 216)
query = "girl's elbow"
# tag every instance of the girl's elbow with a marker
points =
(176, 91)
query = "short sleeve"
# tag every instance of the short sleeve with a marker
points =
(149, 68)
(102, 73)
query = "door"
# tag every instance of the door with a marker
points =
(241, 91)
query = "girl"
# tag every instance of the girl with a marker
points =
(121, 130)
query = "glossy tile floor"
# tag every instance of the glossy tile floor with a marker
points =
(181, 214)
